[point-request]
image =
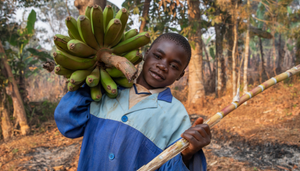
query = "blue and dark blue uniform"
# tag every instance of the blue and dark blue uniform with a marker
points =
(116, 138)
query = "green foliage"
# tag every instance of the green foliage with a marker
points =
(30, 22)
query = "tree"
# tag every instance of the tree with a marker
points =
(82, 4)
(19, 110)
(145, 15)
(196, 86)
(245, 89)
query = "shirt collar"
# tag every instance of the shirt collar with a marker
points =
(164, 94)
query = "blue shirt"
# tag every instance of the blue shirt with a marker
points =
(122, 139)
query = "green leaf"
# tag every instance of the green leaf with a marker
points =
(136, 10)
(193, 44)
(289, 10)
(290, 47)
(30, 22)
(42, 55)
(212, 52)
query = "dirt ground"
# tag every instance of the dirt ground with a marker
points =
(262, 135)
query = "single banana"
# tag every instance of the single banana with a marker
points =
(123, 82)
(80, 48)
(113, 29)
(73, 87)
(61, 42)
(129, 34)
(96, 93)
(114, 72)
(59, 70)
(97, 24)
(72, 62)
(108, 84)
(108, 14)
(139, 60)
(70, 35)
(93, 79)
(85, 31)
(122, 15)
(132, 43)
(79, 76)
(71, 23)
(87, 12)
(132, 56)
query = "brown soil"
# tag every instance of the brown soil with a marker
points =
(268, 126)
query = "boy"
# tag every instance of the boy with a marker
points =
(127, 132)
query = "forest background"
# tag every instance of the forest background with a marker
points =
(236, 44)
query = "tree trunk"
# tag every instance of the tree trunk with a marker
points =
(207, 58)
(229, 37)
(247, 51)
(82, 4)
(297, 55)
(234, 50)
(6, 125)
(280, 56)
(19, 110)
(263, 75)
(220, 70)
(145, 15)
(196, 85)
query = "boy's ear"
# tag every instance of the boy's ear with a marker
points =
(181, 75)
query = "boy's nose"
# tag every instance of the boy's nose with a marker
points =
(162, 67)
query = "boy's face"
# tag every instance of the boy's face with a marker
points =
(164, 63)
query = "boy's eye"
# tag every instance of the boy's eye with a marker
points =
(156, 56)
(174, 66)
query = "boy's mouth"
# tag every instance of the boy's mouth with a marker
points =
(157, 75)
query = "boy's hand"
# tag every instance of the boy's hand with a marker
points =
(198, 136)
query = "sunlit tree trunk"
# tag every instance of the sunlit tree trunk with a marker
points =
(145, 15)
(196, 86)
(247, 52)
(82, 4)
(19, 110)
(234, 50)
(6, 125)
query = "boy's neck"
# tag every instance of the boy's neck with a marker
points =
(142, 82)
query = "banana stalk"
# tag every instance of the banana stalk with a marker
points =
(119, 62)
(182, 143)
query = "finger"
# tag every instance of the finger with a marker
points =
(195, 133)
(198, 121)
(189, 138)
(206, 128)
(202, 132)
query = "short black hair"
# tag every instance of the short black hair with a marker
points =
(177, 38)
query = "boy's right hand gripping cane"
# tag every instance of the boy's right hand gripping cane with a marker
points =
(182, 143)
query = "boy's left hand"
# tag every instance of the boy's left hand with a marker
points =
(198, 136)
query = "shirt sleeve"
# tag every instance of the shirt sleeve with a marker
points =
(72, 112)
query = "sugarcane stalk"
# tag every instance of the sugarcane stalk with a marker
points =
(182, 143)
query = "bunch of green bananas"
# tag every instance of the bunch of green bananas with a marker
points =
(98, 51)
